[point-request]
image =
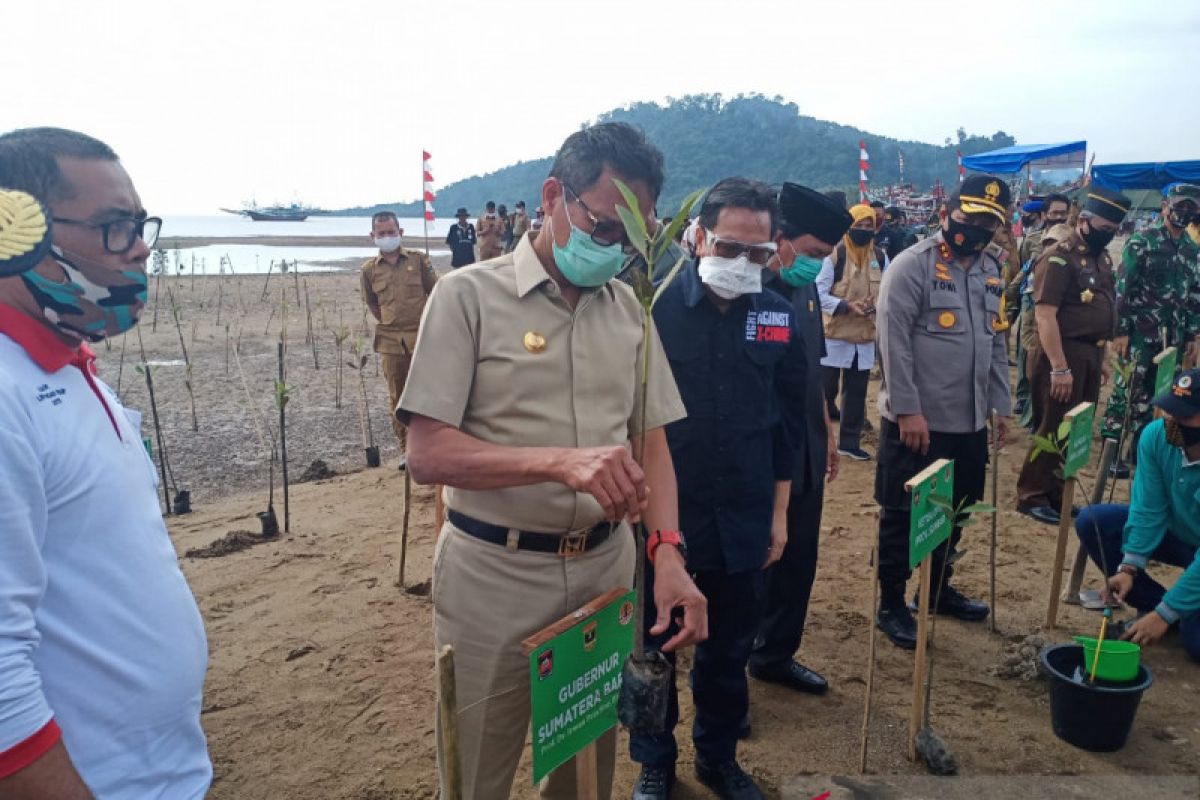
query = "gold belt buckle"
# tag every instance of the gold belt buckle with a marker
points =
(573, 543)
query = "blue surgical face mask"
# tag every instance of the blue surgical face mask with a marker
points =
(93, 303)
(583, 262)
(803, 271)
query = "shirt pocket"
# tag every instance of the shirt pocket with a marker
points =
(946, 316)
(991, 303)
(755, 388)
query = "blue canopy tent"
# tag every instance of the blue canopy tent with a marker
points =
(1010, 160)
(1147, 175)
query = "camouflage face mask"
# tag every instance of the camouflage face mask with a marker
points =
(93, 303)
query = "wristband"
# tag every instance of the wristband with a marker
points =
(1066, 371)
(660, 538)
(1128, 569)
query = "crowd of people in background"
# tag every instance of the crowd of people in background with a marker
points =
(515, 385)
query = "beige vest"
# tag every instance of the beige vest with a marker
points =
(858, 283)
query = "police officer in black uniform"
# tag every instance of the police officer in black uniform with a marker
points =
(810, 225)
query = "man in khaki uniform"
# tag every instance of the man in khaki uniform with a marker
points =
(520, 224)
(524, 401)
(395, 284)
(490, 229)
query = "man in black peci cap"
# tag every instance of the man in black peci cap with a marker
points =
(945, 368)
(1074, 289)
(1161, 523)
(810, 224)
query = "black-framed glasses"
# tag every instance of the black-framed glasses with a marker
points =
(120, 234)
(605, 233)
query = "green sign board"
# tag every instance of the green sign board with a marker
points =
(575, 679)
(1165, 376)
(929, 523)
(1079, 439)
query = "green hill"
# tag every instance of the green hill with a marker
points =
(706, 137)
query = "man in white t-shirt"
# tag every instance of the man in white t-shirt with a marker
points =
(102, 648)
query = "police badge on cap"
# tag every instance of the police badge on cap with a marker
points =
(985, 194)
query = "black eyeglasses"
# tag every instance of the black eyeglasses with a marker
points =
(120, 234)
(605, 233)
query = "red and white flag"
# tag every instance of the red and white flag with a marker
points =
(962, 172)
(428, 185)
(864, 164)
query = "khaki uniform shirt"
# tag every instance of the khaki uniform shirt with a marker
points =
(1082, 286)
(502, 357)
(399, 291)
(520, 225)
(939, 350)
(490, 230)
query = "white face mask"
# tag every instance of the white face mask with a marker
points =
(730, 278)
(387, 244)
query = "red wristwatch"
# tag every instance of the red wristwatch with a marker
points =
(663, 537)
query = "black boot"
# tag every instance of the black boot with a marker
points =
(953, 603)
(727, 780)
(654, 783)
(894, 618)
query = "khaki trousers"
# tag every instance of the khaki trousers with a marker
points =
(486, 599)
(488, 250)
(395, 372)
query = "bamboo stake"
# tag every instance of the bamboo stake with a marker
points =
(587, 775)
(281, 399)
(404, 527)
(866, 724)
(995, 522)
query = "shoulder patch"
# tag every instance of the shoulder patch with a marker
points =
(1056, 260)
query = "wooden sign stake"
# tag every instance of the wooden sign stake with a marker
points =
(1064, 526)
(448, 707)
(1107, 456)
(920, 666)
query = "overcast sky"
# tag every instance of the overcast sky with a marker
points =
(211, 103)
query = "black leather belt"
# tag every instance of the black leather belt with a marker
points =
(1094, 342)
(571, 543)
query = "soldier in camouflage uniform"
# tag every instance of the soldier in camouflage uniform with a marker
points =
(1159, 292)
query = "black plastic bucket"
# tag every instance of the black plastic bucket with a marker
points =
(372, 456)
(1094, 716)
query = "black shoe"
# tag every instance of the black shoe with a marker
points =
(1046, 514)
(953, 603)
(727, 780)
(654, 783)
(857, 453)
(897, 624)
(1119, 470)
(744, 730)
(792, 675)
(403, 461)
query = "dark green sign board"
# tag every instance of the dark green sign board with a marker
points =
(575, 679)
(1079, 438)
(929, 523)
(1165, 376)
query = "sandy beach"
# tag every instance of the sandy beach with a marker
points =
(321, 679)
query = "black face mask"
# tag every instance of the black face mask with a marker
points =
(1180, 220)
(1190, 436)
(1096, 239)
(861, 236)
(1050, 223)
(1028, 222)
(966, 240)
